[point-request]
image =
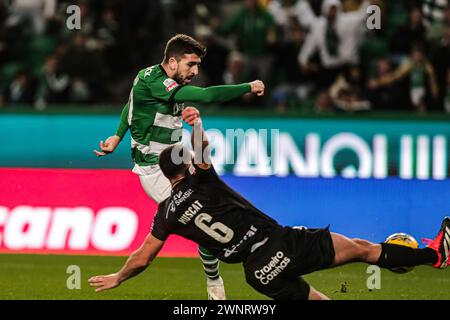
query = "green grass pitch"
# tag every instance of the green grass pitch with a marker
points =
(45, 277)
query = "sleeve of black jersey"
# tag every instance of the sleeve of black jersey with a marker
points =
(159, 226)
(206, 175)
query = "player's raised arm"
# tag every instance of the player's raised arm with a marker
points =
(199, 140)
(112, 142)
(218, 94)
(136, 263)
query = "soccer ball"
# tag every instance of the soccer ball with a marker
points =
(402, 239)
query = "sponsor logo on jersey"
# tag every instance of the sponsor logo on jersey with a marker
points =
(148, 71)
(193, 209)
(170, 84)
(178, 199)
(171, 207)
(270, 271)
(177, 108)
(181, 196)
(250, 233)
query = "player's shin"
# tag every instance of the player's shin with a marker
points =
(210, 264)
(215, 287)
(393, 256)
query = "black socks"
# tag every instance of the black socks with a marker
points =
(393, 255)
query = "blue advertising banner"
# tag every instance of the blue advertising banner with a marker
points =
(247, 147)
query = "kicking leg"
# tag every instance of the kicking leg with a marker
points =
(215, 288)
(354, 250)
(384, 255)
(388, 255)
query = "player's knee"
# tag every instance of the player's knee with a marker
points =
(364, 249)
(362, 242)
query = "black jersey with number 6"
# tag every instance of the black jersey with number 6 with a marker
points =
(202, 208)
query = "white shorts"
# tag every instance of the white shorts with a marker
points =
(155, 184)
(417, 95)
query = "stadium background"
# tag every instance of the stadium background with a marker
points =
(358, 153)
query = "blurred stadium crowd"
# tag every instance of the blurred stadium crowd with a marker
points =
(316, 54)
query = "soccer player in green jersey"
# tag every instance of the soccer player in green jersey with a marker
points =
(153, 115)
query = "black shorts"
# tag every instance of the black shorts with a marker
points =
(274, 269)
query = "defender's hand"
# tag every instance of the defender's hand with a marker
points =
(190, 114)
(104, 282)
(257, 87)
(108, 146)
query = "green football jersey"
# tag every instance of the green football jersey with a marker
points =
(154, 118)
(153, 112)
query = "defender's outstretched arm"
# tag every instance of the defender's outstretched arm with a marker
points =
(136, 263)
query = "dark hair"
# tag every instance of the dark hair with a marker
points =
(181, 44)
(173, 160)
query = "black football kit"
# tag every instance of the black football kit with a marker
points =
(202, 208)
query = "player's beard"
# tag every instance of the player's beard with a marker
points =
(180, 79)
